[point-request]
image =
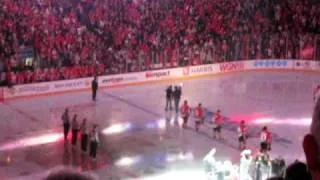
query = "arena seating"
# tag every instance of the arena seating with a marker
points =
(73, 39)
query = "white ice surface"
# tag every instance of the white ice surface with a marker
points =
(282, 100)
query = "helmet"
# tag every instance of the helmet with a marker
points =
(246, 152)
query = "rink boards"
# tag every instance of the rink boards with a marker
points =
(173, 74)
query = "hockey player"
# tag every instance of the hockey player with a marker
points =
(199, 116)
(217, 121)
(242, 135)
(185, 112)
(265, 140)
(210, 164)
(269, 140)
(245, 162)
(263, 166)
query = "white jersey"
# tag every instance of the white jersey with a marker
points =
(244, 168)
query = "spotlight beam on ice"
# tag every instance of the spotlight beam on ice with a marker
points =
(127, 161)
(32, 141)
(294, 122)
(117, 128)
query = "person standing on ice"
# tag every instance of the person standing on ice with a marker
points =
(265, 140)
(217, 125)
(75, 130)
(245, 162)
(94, 140)
(169, 94)
(210, 164)
(242, 135)
(199, 116)
(84, 135)
(177, 96)
(94, 87)
(66, 123)
(185, 112)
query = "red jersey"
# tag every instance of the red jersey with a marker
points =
(84, 71)
(91, 70)
(42, 75)
(74, 72)
(13, 78)
(269, 137)
(265, 136)
(20, 78)
(217, 119)
(101, 68)
(48, 75)
(30, 76)
(54, 74)
(185, 110)
(199, 112)
(36, 75)
(242, 130)
(66, 72)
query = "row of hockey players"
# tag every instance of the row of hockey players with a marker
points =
(217, 124)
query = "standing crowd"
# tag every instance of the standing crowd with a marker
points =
(135, 35)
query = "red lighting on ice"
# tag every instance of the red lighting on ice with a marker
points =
(32, 141)
(294, 122)
(260, 118)
(246, 117)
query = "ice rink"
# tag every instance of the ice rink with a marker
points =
(139, 140)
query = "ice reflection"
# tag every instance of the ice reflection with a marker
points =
(117, 128)
(32, 141)
(294, 122)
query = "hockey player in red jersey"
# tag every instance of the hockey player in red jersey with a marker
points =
(265, 140)
(185, 112)
(242, 135)
(217, 121)
(269, 140)
(199, 116)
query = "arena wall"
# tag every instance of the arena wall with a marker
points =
(49, 88)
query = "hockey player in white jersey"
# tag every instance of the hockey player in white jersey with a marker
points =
(210, 164)
(245, 162)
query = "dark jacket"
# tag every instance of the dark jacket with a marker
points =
(169, 93)
(94, 85)
(177, 94)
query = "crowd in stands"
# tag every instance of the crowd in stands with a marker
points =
(117, 36)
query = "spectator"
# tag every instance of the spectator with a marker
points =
(126, 36)
(297, 171)
(68, 174)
